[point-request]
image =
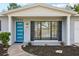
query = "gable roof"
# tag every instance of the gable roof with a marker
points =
(43, 5)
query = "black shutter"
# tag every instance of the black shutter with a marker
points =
(60, 31)
(32, 31)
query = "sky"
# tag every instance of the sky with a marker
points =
(3, 6)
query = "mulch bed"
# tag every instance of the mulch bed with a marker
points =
(50, 50)
(2, 51)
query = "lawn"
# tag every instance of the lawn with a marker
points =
(51, 50)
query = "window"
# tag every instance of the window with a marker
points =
(45, 30)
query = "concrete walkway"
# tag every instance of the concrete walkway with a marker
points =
(77, 44)
(16, 50)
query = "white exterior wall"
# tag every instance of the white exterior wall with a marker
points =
(4, 23)
(27, 30)
(73, 20)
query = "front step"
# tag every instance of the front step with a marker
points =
(43, 43)
(76, 44)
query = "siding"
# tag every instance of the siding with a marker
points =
(73, 19)
(4, 23)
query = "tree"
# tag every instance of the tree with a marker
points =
(69, 7)
(75, 7)
(13, 6)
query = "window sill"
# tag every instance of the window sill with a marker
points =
(45, 41)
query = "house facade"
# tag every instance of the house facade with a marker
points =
(41, 24)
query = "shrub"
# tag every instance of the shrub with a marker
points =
(4, 37)
(29, 44)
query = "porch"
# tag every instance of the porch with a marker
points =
(28, 35)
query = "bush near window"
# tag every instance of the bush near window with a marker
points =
(4, 38)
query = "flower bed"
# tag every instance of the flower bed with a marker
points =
(51, 50)
(3, 52)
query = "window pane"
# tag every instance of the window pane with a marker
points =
(45, 30)
(37, 30)
(54, 30)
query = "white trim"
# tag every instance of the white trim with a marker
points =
(10, 28)
(45, 41)
(9, 19)
(68, 30)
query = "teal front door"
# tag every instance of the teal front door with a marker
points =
(19, 32)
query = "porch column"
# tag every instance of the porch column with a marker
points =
(10, 28)
(68, 30)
